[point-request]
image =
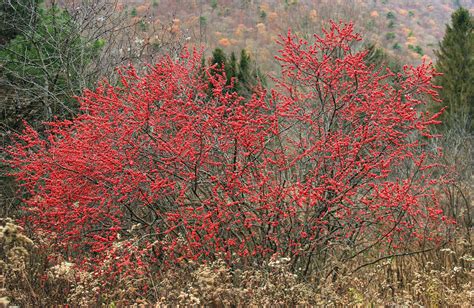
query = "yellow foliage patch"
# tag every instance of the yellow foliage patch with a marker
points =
(412, 40)
(403, 12)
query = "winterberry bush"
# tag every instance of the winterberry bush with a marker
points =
(179, 168)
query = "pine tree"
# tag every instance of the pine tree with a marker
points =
(231, 71)
(379, 58)
(219, 58)
(219, 61)
(245, 78)
(456, 63)
(244, 67)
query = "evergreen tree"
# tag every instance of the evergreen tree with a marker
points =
(245, 78)
(248, 77)
(379, 58)
(231, 71)
(244, 67)
(219, 61)
(375, 55)
(456, 63)
(219, 58)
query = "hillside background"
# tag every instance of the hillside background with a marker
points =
(407, 30)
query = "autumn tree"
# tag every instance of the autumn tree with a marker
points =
(157, 170)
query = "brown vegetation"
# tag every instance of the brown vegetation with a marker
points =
(441, 277)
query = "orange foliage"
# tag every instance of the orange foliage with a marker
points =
(142, 9)
(412, 40)
(264, 7)
(239, 31)
(374, 14)
(427, 59)
(136, 20)
(414, 55)
(175, 28)
(272, 16)
(225, 42)
(403, 12)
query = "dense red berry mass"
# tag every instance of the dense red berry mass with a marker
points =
(334, 154)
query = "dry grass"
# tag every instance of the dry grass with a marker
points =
(438, 278)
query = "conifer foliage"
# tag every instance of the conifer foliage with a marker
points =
(243, 77)
(330, 158)
(456, 63)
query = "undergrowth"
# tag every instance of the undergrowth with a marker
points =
(29, 276)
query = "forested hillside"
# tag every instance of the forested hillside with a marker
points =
(407, 30)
